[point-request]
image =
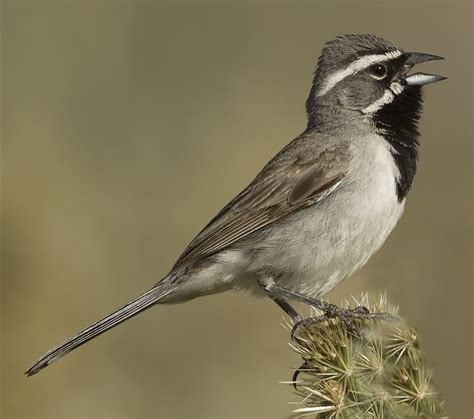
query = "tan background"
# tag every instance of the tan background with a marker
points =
(127, 125)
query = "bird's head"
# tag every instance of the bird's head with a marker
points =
(365, 74)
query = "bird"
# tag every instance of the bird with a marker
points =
(322, 206)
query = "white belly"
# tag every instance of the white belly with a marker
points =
(316, 248)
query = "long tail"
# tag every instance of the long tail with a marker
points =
(134, 307)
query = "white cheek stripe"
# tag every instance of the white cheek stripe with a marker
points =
(394, 90)
(358, 65)
(386, 98)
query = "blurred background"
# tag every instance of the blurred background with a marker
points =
(128, 125)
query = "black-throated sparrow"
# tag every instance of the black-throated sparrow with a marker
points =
(322, 206)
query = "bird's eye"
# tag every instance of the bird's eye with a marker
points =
(378, 71)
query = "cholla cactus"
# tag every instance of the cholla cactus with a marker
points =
(378, 372)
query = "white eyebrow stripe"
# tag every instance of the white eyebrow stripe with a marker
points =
(358, 65)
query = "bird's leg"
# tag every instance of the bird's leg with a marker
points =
(279, 299)
(278, 294)
(287, 308)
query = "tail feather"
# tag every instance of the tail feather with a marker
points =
(134, 307)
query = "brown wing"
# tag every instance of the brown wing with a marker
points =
(302, 174)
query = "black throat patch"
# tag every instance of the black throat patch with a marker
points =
(398, 124)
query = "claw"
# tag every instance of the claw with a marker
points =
(298, 371)
(351, 326)
(361, 310)
(305, 323)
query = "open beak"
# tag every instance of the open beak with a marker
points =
(419, 79)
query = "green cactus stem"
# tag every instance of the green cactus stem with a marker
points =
(377, 372)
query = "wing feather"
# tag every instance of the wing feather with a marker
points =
(302, 174)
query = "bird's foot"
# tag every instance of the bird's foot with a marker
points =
(353, 318)
(349, 318)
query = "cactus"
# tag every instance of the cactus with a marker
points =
(375, 370)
